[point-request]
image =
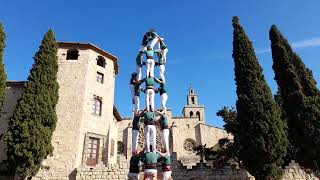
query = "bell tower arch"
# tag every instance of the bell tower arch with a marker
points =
(192, 108)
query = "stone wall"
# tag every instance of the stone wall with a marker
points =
(111, 172)
(13, 92)
(201, 171)
(294, 172)
(211, 135)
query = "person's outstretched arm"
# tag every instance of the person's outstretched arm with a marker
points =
(161, 154)
(158, 80)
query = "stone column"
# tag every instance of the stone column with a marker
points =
(174, 132)
(129, 141)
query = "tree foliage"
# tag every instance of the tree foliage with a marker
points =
(300, 100)
(29, 134)
(260, 132)
(3, 76)
(224, 154)
(229, 116)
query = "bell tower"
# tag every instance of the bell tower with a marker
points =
(192, 108)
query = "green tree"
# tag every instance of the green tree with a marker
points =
(229, 116)
(304, 74)
(300, 100)
(225, 153)
(260, 131)
(29, 134)
(3, 76)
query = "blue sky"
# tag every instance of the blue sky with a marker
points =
(198, 35)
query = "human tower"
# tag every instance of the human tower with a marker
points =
(149, 156)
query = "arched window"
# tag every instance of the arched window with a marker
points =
(191, 113)
(192, 99)
(121, 147)
(101, 61)
(97, 106)
(198, 115)
(72, 54)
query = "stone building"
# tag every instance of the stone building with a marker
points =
(86, 131)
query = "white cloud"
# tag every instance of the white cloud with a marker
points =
(262, 51)
(312, 42)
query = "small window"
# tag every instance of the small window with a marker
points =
(198, 115)
(72, 54)
(192, 99)
(191, 113)
(100, 77)
(112, 148)
(97, 106)
(101, 61)
(93, 147)
(121, 147)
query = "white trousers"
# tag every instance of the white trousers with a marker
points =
(136, 103)
(135, 138)
(154, 42)
(150, 132)
(132, 93)
(166, 175)
(150, 67)
(165, 139)
(164, 55)
(164, 98)
(150, 99)
(149, 174)
(162, 68)
(133, 176)
(143, 48)
(138, 73)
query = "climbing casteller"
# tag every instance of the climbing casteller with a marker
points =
(137, 91)
(164, 130)
(131, 85)
(150, 36)
(134, 167)
(162, 55)
(166, 166)
(139, 65)
(150, 129)
(150, 60)
(150, 160)
(163, 94)
(135, 132)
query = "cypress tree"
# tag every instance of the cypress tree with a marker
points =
(300, 100)
(260, 131)
(306, 80)
(29, 134)
(3, 76)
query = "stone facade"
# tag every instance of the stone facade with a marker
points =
(86, 131)
(186, 131)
